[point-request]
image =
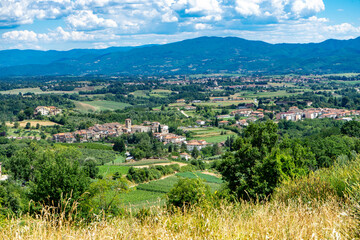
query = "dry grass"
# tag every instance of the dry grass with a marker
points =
(33, 123)
(274, 220)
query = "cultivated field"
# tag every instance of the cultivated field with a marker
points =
(109, 170)
(211, 134)
(39, 91)
(153, 193)
(99, 105)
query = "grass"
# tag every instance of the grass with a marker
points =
(211, 134)
(146, 162)
(118, 160)
(140, 93)
(99, 105)
(244, 220)
(108, 170)
(208, 178)
(152, 193)
(33, 123)
(149, 194)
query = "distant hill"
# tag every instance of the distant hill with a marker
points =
(193, 56)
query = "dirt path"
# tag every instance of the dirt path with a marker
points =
(161, 164)
(211, 174)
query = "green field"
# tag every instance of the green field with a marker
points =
(39, 91)
(99, 105)
(153, 193)
(140, 93)
(118, 160)
(211, 134)
(281, 93)
(208, 178)
(146, 162)
(107, 170)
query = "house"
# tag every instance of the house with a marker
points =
(45, 111)
(200, 122)
(222, 116)
(190, 108)
(245, 112)
(223, 123)
(242, 122)
(180, 100)
(185, 156)
(198, 144)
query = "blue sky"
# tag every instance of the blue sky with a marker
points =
(68, 24)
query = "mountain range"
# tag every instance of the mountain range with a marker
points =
(192, 56)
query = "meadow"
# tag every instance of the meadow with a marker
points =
(109, 170)
(99, 105)
(211, 134)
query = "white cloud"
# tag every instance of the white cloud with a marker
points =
(248, 7)
(307, 7)
(202, 26)
(59, 34)
(103, 23)
(87, 20)
(24, 36)
(343, 28)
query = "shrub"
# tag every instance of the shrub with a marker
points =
(187, 192)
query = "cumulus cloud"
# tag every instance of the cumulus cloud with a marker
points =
(133, 22)
(87, 20)
(59, 34)
(26, 36)
(343, 28)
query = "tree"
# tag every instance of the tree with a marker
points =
(28, 125)
(119, 145)
(216, 149)
(240, 169)
(195, 153)
(351, 128)
(104, 196)
(90, 167)
(187, 192)
(16, 125)
(58, 176)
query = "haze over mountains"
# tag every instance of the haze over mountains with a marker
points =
(193, 56)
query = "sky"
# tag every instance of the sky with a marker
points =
(69, 24)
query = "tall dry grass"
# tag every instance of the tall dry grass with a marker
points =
(271, 220)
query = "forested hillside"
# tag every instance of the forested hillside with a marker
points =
(193, 56)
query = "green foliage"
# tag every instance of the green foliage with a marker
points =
(351, 129)
(100, 156)
(90, 167)
(104, 196)
(260, 163)
(139, 175)
(119, 145)
(187, 192)
(57, 175)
